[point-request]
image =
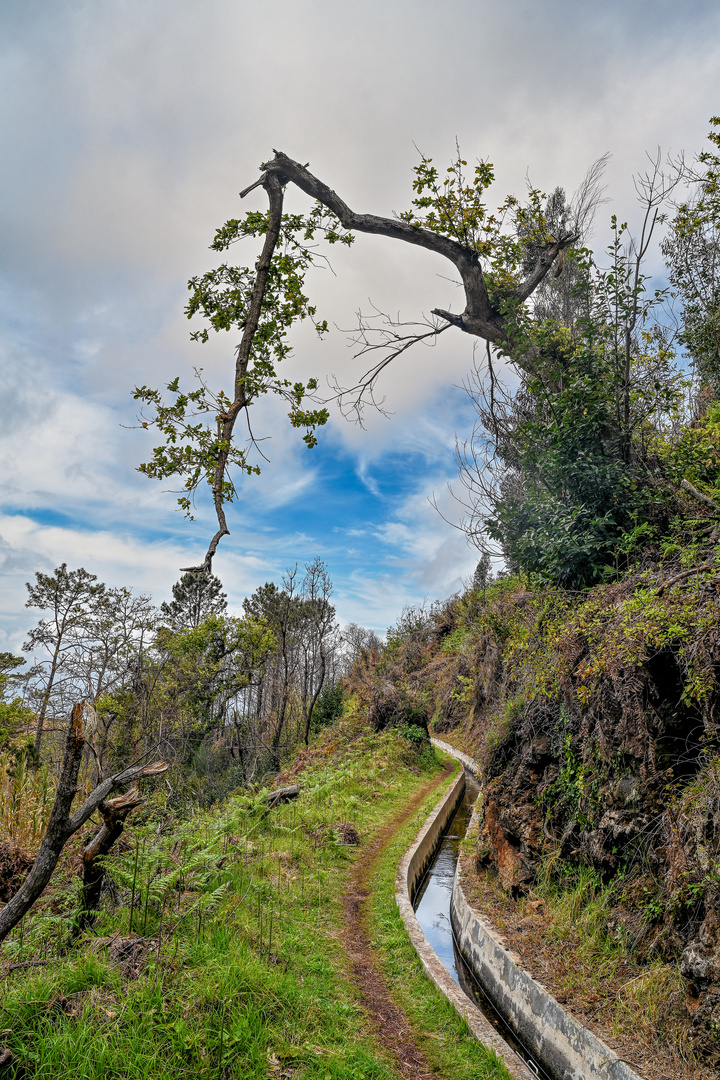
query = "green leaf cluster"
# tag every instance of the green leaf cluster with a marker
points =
(692, 252)
(581, 442)
(453, 205)
(191, 421)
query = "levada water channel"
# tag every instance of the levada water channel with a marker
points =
(432, 909)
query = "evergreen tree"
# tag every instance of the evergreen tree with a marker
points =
(70, 597)
(196, 596)
(483, 573)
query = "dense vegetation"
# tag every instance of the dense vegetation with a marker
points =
(225, 698)
(218, 951)
(585, 470)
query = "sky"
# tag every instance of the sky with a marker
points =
(128, 129)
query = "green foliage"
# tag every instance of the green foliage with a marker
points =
(192, 421)
(16, 723)
(576, 795)
(206, 665)
(8, 663)
(329, 707)
(454, 206)
(415, 734)
(16, 718)
(695, 454)
(195, 597)
(211, 693)
(692, 250)
(453, 642)
(409, 636)
(576, 500)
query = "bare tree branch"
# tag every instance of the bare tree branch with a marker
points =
(480, 318)
(588, 197)
(391, 336)
(705, 499)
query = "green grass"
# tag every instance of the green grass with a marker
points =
(251, 977)
(444, 1036)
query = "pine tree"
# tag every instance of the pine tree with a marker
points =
(483, 573)
(195, 598)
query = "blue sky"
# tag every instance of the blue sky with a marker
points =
(128, 128)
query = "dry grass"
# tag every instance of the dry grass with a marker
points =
(26, 798)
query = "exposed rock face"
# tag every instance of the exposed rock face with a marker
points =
(700, 961)
(699, 964)
(621, 786)
(512, 834)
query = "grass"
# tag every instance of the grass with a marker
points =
(240, 970)
(579, 908)
(26, 797)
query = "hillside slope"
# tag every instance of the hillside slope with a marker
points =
(596, 718)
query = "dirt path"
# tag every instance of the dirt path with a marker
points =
(392, 1028)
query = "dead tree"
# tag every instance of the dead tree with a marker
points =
(481, 318)
(63, 824)
(114, 814)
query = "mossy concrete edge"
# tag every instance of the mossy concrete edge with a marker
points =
(412, 866)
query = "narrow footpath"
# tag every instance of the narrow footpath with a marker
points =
(392, 1027)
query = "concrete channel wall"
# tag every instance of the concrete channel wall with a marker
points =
(559, 1042)
(410, 872)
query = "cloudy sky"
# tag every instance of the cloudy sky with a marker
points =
(128, 128)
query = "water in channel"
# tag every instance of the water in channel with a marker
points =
(432, 908)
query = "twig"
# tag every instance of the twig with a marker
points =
(684, 574)
(28, 964)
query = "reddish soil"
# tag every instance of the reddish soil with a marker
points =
(392, 1028)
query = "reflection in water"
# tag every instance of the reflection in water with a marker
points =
(432, 908)
(432, 898)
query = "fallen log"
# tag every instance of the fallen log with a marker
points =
(24, 964)
(282, 795)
